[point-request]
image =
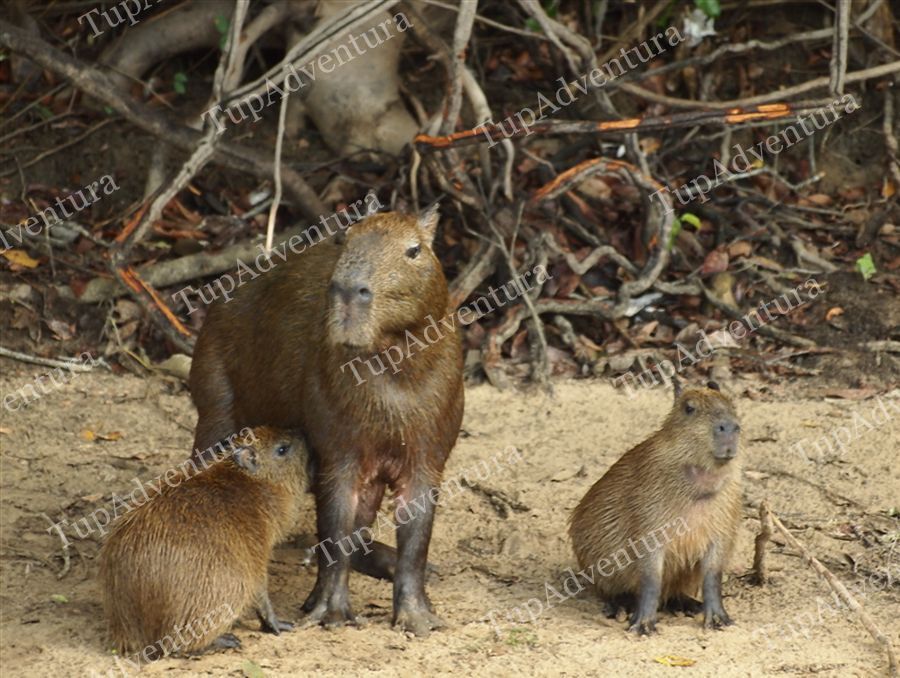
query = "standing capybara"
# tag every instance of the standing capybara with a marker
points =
(351, 342)
(178, 570)
(674, 502)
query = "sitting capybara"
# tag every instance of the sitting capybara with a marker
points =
(178, 570)
(674, 502)
(353, 342)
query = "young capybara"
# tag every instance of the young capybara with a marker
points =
(305, 346)
(674, 501)
(178, 570)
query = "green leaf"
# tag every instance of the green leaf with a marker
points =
(692, 219)
(676, 229)
(251, 669)
(666, 16)
(59, 598)
(222, 25)
(179, 82)
(43, 111)
(710, 8)
(866, 266)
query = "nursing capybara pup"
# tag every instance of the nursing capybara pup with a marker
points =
(178, 570)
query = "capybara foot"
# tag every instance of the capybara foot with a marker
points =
(276, 626)
(620, 605)
(642, 626)
(227, 641)
(683, 604)
(327, 612)
(716, 619)
(419, 621)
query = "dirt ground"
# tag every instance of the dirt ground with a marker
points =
(490, 554)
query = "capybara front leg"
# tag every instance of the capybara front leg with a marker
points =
(329, 602)
(643, 621)
(415, 516)
(268, 620)
(714, 615)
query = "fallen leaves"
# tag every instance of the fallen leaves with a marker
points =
(19, 259)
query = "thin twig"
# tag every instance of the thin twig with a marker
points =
(276, 200)
(839, 48)
(71, 364)
(842, 592)
(461, 35)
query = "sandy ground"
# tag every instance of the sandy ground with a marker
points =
(490, 555)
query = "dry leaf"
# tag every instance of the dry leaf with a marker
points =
(91, 498)
(673, 660)
(888, 189)
(818, 199)
(741, 248)
(715, 262)
(20, 258)
(90, 436)
(834, 312)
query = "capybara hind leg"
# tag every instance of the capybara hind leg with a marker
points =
(412, 609)
(714, 615)
(227, 641)
(624, 604)
(380, 562)
(212, 394)
(329, 602)
(643, 621)
(268, 620)
(683, 604)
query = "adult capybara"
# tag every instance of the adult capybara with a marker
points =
(351, 341)
(178, 570)
(674, 502)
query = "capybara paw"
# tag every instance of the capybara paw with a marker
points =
(227, 641)
(642, 627)
(716, 619)
(419, 622)
(684, 604)
(328, 617)
(277, 626)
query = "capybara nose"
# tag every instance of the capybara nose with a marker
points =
(351, 292)
(725, 434)
(727, 427)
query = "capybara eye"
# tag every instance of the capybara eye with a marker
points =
(689, 409)
(413, 251)
(283, 450)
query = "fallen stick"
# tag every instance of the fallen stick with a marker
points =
(71, 364)
(190, 267)
(760, 571)
(842, 592)
(97, 84)
(488, 132)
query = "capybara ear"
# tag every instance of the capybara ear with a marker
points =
(428, 222)
(676, 385)
(245, 457)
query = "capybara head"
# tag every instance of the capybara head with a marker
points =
(386, 280)
(705, 421)
(273, 455)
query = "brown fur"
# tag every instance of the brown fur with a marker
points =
(200, 547)
(649, 489)
(277, 354)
